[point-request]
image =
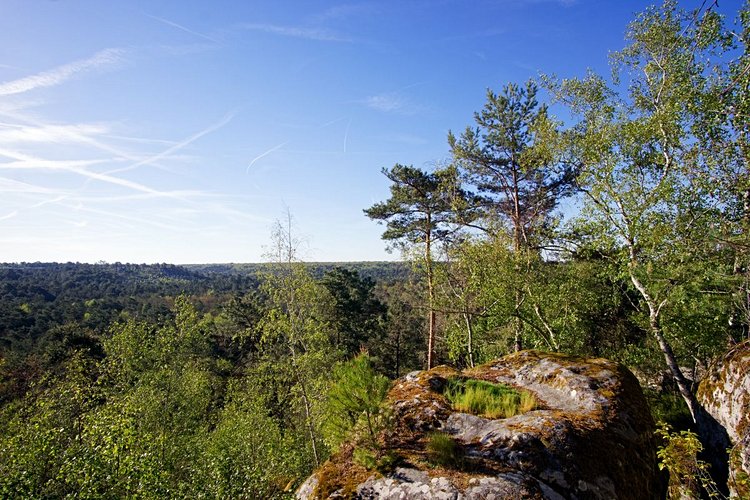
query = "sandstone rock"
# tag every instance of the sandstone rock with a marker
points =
(725, 394)
(592, 437)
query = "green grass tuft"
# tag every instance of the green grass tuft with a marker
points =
(487, 399)
(442, 449)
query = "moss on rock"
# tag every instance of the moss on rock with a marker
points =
(725, 394)
(591, 437)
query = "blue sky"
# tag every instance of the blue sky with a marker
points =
(178, 131)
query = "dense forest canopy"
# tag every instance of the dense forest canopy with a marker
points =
(218, 380)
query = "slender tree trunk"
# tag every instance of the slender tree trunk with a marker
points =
(431, 340)
(470, 339)
(518, 323)
(398, 354)
(308, 416)
(431, 299)
(550, 332)
(683, 385)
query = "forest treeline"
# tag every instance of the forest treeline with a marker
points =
(161, 380)
(215, 380)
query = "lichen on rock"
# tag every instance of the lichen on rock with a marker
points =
(592, 436)
(724, 393)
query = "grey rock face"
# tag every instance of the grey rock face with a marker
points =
(725, 394)
(591, 438)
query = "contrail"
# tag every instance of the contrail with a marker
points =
(71, 134)
(181, 27)
(247, 170)
(227, 118)
(60, 74)
(27, 162)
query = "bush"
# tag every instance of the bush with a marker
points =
(355, 402)
(679, 456)
(487, 399)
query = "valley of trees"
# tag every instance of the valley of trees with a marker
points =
(622, 232)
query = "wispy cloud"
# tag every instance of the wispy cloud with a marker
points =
(385, 102)
(394, 101)
(345, 11)
(168, 152)
(319, 34)
(181, 27)
(275, 148)
(73, 134)
(62, 73)
(27, 162)
(13, 133)
(140, 221)
(14, 186)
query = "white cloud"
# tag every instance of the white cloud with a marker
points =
(26, 162)
(14, 186)
(49, 133)
(62, 73)
(386, 102)
(72, 133)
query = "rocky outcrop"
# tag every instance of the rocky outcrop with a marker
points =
(591, 437)
(725, 394)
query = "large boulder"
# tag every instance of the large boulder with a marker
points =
(725, 394)
(592, 437)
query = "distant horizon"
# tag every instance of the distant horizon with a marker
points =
(103, 263)
(147, 132)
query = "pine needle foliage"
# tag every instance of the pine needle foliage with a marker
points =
(355, 402)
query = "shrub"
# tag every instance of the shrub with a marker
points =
(487, 399)
(679, 456)
(355, 402)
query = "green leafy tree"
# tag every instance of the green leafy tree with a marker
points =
(248, 454)
(161, 389)
(636, 156)
(511, 159)
(358, 315)
(40, 435)
(723, 135)
(296, 335)
(400, 347)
